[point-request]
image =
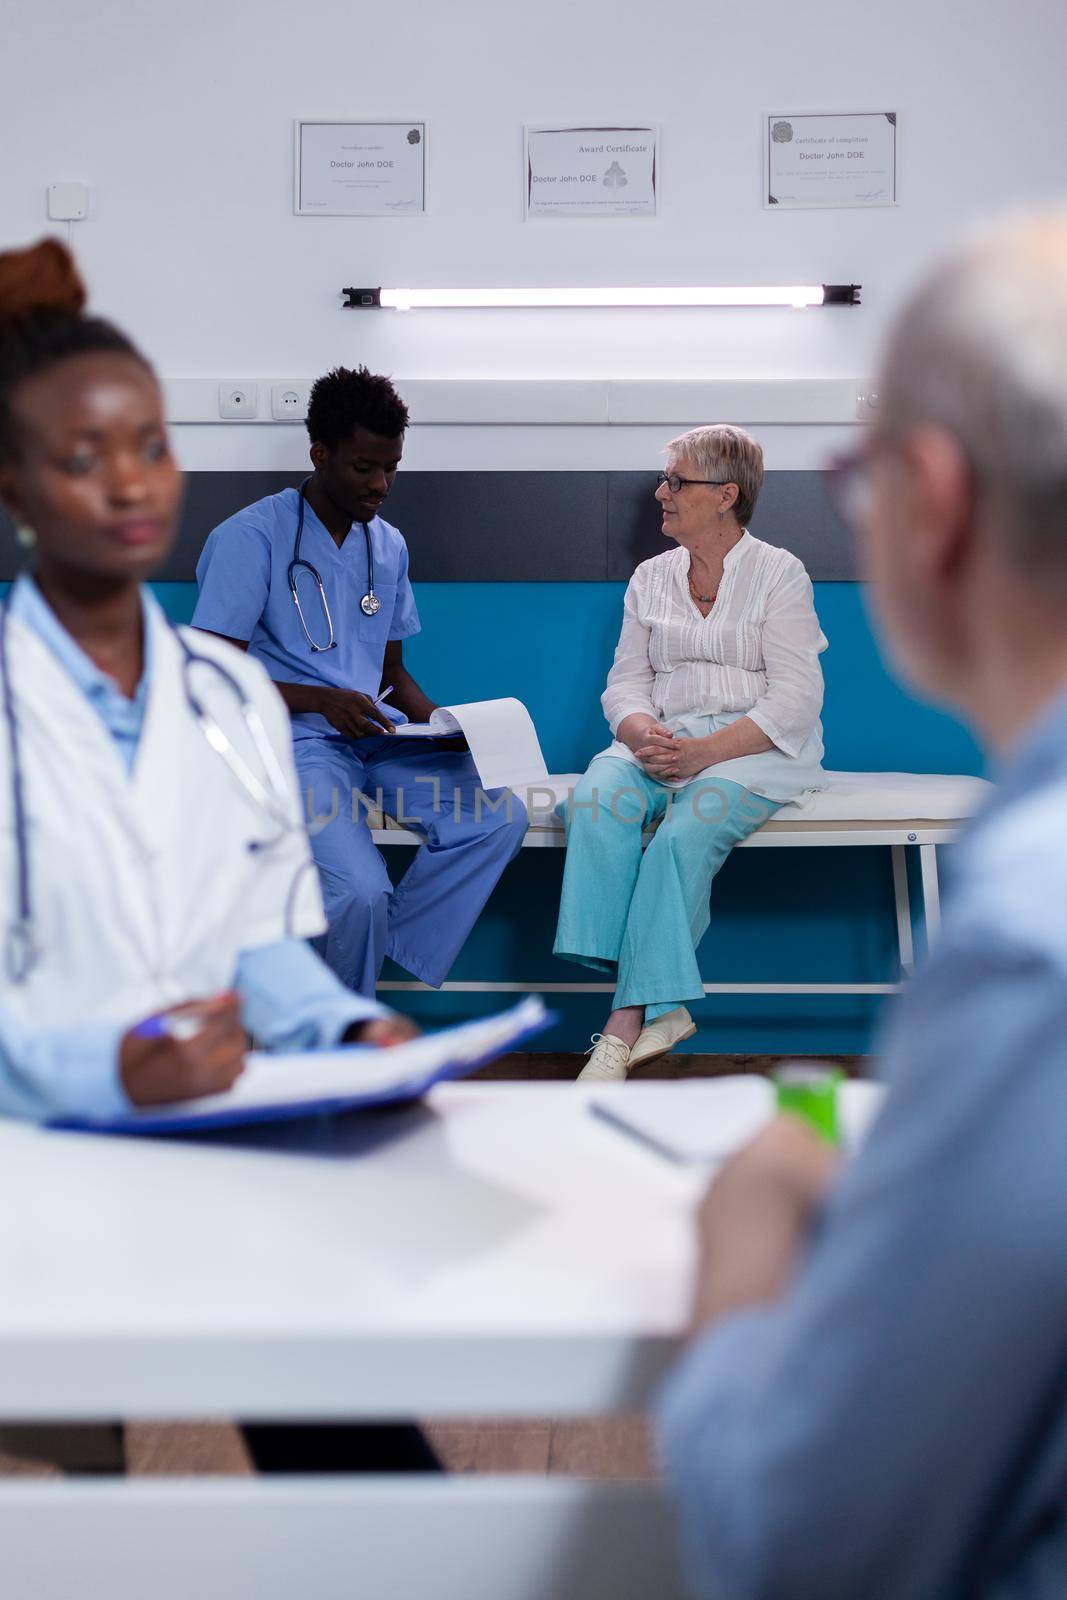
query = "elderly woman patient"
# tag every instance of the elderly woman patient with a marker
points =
(714, 700)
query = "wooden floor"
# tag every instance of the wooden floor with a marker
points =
(608, 1447)
(600, 1447)
(678, 1065)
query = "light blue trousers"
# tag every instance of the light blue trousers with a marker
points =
(641, 915)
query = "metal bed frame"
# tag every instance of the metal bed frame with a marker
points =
(902, 837)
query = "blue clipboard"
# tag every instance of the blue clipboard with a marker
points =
(297, 1110)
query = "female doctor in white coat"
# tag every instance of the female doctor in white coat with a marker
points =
(142, 871)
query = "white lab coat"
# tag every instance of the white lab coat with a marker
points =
(144, 890)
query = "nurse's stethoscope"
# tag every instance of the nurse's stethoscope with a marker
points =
(271, 793)
(370, 605)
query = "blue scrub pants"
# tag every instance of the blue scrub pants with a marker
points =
(641, 915)
(423, 922)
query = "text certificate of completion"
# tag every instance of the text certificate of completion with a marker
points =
(831, 159)
(360, 169)
(590, 172)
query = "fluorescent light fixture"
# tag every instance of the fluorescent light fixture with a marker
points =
(798, 295)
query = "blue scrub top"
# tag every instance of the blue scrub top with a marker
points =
(245, 594)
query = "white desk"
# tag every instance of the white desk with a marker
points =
(498, 1252)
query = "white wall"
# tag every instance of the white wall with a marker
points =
(179, 114)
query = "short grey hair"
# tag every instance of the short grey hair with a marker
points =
(725, 454)
(981, 351)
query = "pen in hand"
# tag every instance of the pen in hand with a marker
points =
(377, 701)
(190, 1050)
(171, 1025)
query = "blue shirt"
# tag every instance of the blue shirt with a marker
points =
(896, 1425)
(245, 594)
(290, 999)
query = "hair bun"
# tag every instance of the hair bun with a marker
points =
(40, 281)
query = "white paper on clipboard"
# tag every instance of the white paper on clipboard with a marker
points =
(285, 1087)
(502, 738)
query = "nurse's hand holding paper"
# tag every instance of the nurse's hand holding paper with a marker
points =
(354, 715)
(154, 867)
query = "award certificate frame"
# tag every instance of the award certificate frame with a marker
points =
(590, 172)
(816, 160)
(359, 169)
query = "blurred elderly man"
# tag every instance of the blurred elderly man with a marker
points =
(876, 1405)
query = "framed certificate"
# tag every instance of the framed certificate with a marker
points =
(591, 172)
(830, 158)
(359, 169)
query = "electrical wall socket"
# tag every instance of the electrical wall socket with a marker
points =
(68, 202)
(867, 403)
(289, 402)
(238, 401)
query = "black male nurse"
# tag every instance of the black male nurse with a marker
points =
(314, 584)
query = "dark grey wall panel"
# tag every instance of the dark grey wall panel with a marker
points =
(503, 526)
(793, 511)
(519, 526)
(211, 497)
(493, 526)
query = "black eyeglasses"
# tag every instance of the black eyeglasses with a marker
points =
(674, 482)
(849, 478)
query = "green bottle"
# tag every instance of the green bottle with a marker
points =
(810, 1093)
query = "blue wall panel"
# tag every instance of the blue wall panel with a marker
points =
(790, 916)
(551, 644)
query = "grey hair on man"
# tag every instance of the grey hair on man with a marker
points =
(981, 351)
(723, 453)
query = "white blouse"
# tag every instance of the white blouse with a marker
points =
(755, 655)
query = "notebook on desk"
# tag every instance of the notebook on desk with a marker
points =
(700, 1123)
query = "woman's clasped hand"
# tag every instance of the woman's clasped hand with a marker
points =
(667, 756)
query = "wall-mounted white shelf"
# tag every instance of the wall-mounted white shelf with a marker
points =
(613, 402)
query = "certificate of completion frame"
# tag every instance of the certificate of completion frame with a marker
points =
(591, 172)
(359, 169)
(831, 158)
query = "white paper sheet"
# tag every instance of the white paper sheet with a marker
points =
(703, 1123)
(501, 735)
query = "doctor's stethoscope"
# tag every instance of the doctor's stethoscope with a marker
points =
(273, 796)
(370, 605)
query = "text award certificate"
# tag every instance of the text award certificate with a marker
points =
(590, 172)
(831, 159)
(360, 169)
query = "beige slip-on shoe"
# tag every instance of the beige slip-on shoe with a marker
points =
(662, 1035)
(607, 1060)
